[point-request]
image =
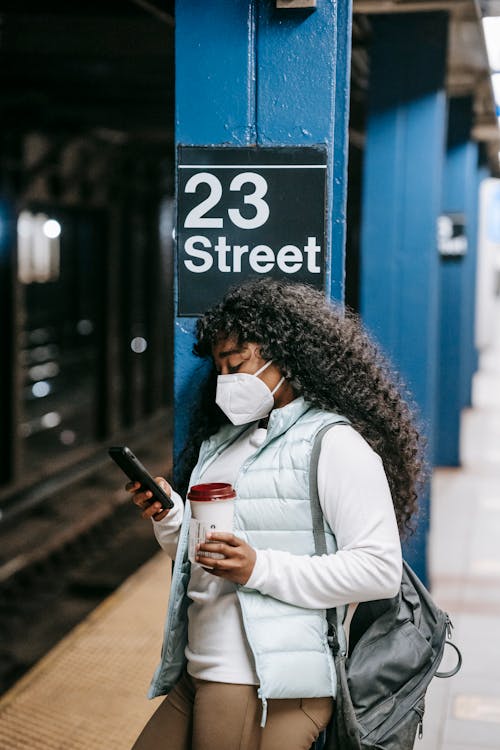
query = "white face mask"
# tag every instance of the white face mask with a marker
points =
(243, 397)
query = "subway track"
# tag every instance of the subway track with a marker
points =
(58, 560)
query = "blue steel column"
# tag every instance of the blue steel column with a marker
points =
(469, 357)
(401, 202)
(457, 285)
(247, 73)
(483, 173)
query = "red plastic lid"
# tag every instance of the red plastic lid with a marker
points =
(213, 491)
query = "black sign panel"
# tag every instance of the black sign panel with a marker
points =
(248, 212)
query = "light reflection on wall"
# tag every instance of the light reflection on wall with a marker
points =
(41, 389)
(138, 345)
(38, 248)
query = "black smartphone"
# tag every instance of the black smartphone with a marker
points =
(135, 471)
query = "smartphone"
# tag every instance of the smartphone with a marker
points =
(135, 471)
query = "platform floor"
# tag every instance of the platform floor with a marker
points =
(89, 693)
(463, 713)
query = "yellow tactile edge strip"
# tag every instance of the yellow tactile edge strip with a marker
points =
(88, 693)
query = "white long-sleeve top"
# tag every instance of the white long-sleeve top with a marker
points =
(356, 501)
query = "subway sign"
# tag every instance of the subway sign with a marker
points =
(248, 212)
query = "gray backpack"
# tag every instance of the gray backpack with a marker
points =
(395, 647)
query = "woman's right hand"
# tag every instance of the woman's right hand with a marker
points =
(142, 498)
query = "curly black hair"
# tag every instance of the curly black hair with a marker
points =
(328, 358)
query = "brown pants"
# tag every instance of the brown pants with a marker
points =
(200, 715)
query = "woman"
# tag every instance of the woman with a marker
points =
(246, 662)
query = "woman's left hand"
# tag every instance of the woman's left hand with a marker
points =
(239, 558)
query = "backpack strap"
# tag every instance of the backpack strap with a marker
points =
(336, 615)
(316, 512)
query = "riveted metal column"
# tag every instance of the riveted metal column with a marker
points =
(471, 355)
(249, 74)
(215, 104)
(303, 73)
(401, 202)
(483, 174)
(457, 280)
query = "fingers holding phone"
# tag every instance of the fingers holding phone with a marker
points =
(153, 496)
(144, 500)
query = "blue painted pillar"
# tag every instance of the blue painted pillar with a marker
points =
(457, 278)
(401, 202)
(250, 74)
(479, 172)
(482, 173)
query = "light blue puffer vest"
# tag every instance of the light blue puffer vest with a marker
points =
(289, 643)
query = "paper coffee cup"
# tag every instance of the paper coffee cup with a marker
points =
(212, 509)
